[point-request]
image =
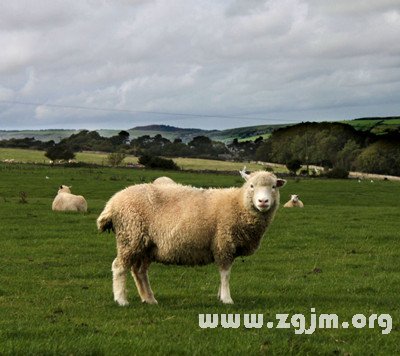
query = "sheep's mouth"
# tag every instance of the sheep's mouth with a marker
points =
(263, 207)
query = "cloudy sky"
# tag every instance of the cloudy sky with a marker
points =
(196, 63)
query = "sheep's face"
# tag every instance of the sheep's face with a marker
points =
(64, 189)
(294, 198)
(261, 189)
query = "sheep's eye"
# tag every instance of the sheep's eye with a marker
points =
(251, 186)
(273, 187)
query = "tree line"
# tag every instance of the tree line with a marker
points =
(331, 145)
(334, 145)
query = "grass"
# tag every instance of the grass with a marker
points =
(253, 138)
(340, 254)
(375, 125)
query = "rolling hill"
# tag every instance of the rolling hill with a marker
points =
(169, 132)
(376, 125)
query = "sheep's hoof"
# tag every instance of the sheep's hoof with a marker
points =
(122, 302)
(150, 301)
(227, 301)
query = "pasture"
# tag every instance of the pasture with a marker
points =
(340, 254)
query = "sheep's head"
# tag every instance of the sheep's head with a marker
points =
(261, 190)
(294, 198)
(64, 189)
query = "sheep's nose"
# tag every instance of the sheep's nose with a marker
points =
(263, 201)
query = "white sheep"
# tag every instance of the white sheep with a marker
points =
(163, 180)
(294, 202)
(183, 225)
(65, 201)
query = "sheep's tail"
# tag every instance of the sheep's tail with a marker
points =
(104, 221)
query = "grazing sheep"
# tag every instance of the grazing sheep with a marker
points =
(183, 225)
(65, 201)
(163, 180)
(294, 202)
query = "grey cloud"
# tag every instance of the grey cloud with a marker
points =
(274, 59)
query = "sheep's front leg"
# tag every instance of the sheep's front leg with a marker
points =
(119, 282)
(139, 273)
(224, 292)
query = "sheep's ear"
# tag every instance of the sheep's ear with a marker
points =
(243, 173)
(280, 183)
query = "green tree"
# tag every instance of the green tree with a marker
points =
(348, 154)
(293, 166)
(382, 157)
(121, 139)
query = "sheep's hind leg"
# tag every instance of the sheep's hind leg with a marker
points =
(139, 285)
(224, 292)
(139, 273)
(119, 282)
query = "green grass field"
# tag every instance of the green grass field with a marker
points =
(340, 254)
(253, 138)
(375, 125)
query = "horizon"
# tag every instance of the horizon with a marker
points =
(165, 125)
(193, 128)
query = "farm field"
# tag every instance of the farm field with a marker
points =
(340, 254)
(375, 125)
(253, 138)
(32, 156)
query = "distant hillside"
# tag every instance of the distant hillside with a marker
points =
(375, 125)
(169, 132)
(42, 135)
(247, 132)
(165, 128)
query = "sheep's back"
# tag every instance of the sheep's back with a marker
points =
(179, 221)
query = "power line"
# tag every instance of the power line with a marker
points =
(78, 107)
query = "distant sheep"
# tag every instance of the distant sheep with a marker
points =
(164, 180)
(294, 202)
(183, 225)
(65, 201)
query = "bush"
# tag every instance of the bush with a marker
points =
(293, 166)
(157, 162)
(116, 158)
(59, 152)
(337, 173)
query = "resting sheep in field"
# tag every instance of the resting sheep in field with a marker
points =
(294, 202)
(183, 225)
(65, 201)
